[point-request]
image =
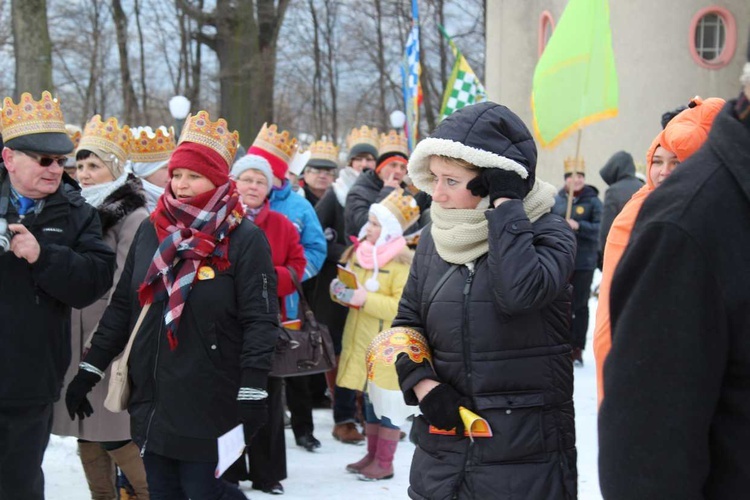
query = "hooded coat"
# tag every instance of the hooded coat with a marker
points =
(675, 419)
(684, 135)
(587, 211)
(121, 214)
(497, 329)
(619, 174)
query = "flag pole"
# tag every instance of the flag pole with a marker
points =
(569, 209)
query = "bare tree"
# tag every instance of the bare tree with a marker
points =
(245, 40)
(32, 47)
(130, 101)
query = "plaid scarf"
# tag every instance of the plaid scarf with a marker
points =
(190, 234)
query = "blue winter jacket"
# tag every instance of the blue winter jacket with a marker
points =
(302, 214)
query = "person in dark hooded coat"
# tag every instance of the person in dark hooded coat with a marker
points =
(619, 174)
(488, 291)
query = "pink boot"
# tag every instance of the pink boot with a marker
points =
(371, 432)
(382, 466)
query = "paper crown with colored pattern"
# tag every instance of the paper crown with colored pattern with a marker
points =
(74, 133)
(148, 146)
(30, 116)
(574, 165)
(106, 136)
(393, 142)
(279, 144)
(403, 206)
(323, 154)
(199, 129)
(387, 345)
(363, 140)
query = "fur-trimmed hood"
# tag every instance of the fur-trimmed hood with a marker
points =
(121, 202)
(487, 135)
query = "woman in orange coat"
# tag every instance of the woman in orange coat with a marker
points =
(682, 137)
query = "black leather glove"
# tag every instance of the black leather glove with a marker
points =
(498, 183)
(75, 397)
(440, 407)
(254, 415)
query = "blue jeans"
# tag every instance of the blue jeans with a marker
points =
(344, 405)
(170, 479)
(371, 418)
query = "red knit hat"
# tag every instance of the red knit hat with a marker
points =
(201, 159)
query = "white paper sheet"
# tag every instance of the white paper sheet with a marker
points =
(231, 446)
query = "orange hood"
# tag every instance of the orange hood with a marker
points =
(687, 132)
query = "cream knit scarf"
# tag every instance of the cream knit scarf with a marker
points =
(461, 236)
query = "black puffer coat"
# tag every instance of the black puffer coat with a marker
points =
(587, 211)
(498, 334)
(183, 399)
(619, 174)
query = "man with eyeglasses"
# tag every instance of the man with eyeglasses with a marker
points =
(56, 260)
(318, 178)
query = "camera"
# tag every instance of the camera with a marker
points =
(5, 236)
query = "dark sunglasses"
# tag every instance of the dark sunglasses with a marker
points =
(45, 161)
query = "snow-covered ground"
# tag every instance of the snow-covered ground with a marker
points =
(321, 475)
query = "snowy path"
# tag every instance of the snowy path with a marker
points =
(321, 475)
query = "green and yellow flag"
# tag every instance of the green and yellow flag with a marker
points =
(463, 87)
(575, 81)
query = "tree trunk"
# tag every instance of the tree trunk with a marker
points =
(31, 47)
(331, 18)
(130, 101)
(144, 87)
(384, 124)
(317, 96)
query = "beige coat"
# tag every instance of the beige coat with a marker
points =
(103, 425)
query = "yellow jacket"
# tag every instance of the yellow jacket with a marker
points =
(376, 315)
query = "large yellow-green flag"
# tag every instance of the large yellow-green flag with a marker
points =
(575, 81)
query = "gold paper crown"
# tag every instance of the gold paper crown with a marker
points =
(387, 345)
(393, 142)
(74, 133)
(150, 147)
(324, 150)
(31, 117)
(106, 136)
(403, 206)
(277, 143)
(573, 165)
(363, 135)
(200, 129)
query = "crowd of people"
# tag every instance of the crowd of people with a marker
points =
(185, 258)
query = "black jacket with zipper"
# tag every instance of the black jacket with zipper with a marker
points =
(181, 400)
(499, 335)
(74, 269)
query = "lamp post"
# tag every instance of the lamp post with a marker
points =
(398, 118)
(179, 107)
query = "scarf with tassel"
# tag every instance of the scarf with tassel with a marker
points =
(191, 233)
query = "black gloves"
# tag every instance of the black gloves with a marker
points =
(75, 397)
(440, 407)
(254, 415)
(498, 183)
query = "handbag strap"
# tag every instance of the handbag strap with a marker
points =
(437, 288)
(304, 305)
(126, 353)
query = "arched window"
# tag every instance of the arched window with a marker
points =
(546, 27)
(713, 37)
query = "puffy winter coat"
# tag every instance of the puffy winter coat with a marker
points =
(181, 400)
(302, 214)
(498, 334)
(677, 378)
(376, 315)
(121, 214)
(587, 211)
(619, 174)
(286, 251)
(74, 269)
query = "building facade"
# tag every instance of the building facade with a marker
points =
(666, 51)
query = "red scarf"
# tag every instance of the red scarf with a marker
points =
(190, 233)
